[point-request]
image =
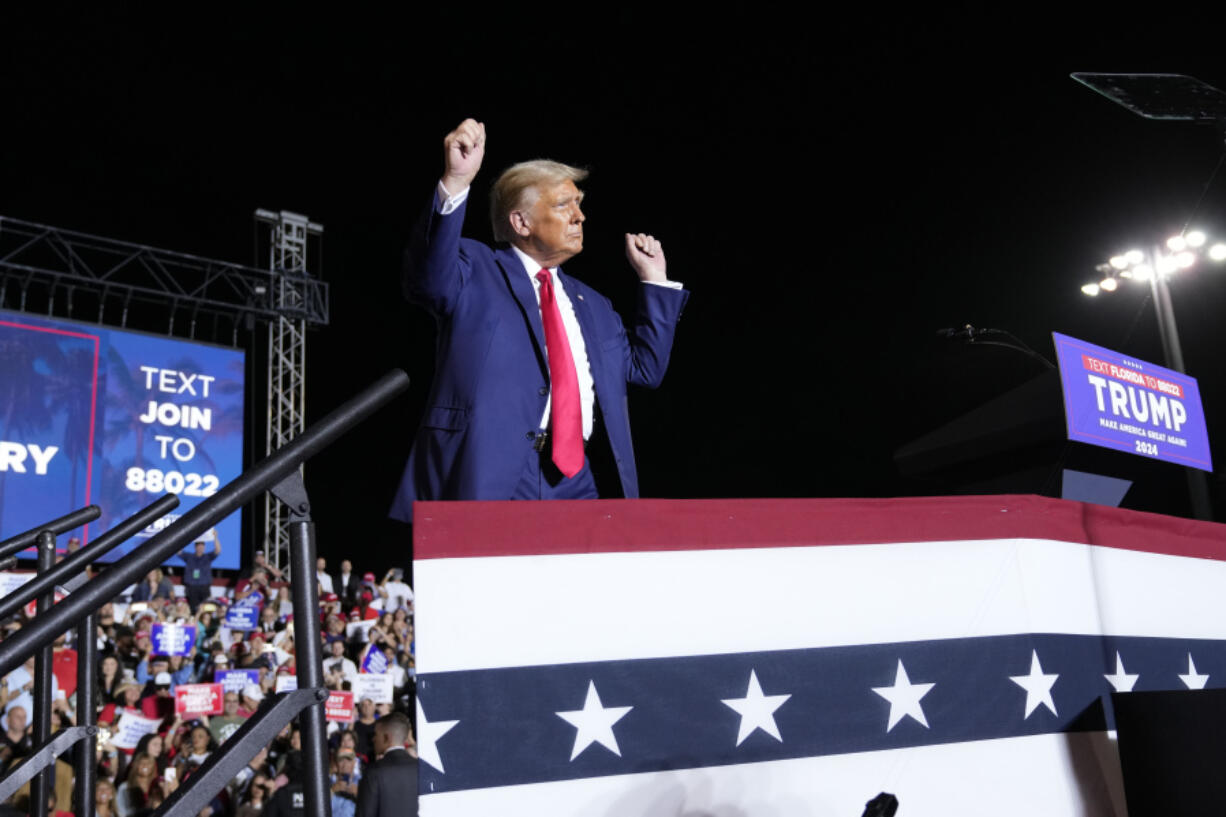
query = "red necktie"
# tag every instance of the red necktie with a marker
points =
(566, 416)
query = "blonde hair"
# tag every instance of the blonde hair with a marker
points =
(511, 190)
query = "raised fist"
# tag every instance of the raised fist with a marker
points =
(463, 150)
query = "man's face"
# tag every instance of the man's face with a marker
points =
(230, 702)
(321, 565)
(552, 228)
(200, 548)
(346, 566)
(338, 648)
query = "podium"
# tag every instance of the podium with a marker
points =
(797, 657)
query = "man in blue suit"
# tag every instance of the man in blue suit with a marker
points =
(530, 362)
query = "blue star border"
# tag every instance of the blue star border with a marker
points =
(509, 733)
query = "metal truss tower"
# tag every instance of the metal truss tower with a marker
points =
(287, 256)
(101, 280)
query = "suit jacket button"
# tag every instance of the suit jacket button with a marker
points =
(531, 435)
(543, 390)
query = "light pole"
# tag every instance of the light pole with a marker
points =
(1156, 267)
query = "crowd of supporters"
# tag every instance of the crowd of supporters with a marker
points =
(366, 627)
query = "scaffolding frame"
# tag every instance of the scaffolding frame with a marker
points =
(69, 274)
(286, 397)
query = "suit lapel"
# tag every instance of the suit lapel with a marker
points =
(583, 314)
(521, 287)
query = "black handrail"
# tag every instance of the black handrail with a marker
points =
(74, 563)
(79, 517)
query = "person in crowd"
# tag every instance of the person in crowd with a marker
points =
(346, 740)
(198, 570)
(257, 583)
(104, 798)
(17, 740)
(207, 622)
(345, 778)
(154, 587)
(394, 591)
(200, 744)
(287, 800)
(321, 575)
(159, 701)
(142, 789)
(402, 626)
(224, 725)
(155, 746)
(383, 632)
(127, 699)
(364, 727)
(345, 584)
(249, 700)
(256, 796)
(284, 604)
(109, 678)
(273, 571)
(389, 786)
(270, 619)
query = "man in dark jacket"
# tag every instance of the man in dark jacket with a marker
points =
(389, 787)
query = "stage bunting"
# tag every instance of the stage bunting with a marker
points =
(769, 668)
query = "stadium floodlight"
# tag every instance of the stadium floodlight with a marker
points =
(1176, 243)
(1217, 252)
(1195, 238)
(1135, 257)
(1109, 284)
(1119, 262)
(1090, 289)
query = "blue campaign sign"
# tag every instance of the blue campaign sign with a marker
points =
(173, 639)
(233, 680)
(242, 617)
(1116, 401)
(115, 418)
(374, 660)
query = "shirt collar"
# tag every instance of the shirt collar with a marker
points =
(531, 266)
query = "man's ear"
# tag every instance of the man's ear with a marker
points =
(519, 223)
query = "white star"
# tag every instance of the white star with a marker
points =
(594, 723)
(1192, 680)
(1037, 685)
(1121, 680)
(904, 698)
(427, 737)
(756, 710)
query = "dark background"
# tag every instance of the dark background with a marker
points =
(832, 190)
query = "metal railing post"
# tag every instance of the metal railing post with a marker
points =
(87, 715)
(40, 787)
(309, 663)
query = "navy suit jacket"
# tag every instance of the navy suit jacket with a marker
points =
(492, 379)
(388, 787)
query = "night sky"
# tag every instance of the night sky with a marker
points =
(832, 192)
